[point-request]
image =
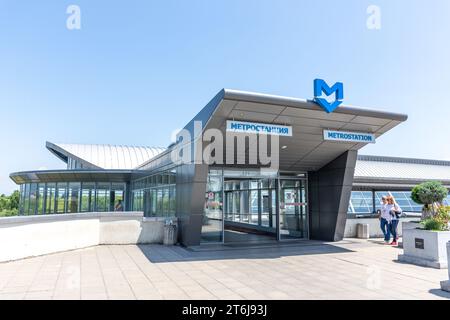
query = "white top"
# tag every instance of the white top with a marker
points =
(392, 207)
(385, 212)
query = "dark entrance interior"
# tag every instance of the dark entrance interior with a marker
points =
(250, 210)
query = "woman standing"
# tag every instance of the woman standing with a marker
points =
(395, 211)
(385, 220)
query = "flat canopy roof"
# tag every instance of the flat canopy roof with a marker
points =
(306, 150)
(75, 176)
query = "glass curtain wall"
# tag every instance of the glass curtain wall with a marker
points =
(155, 194)
(368, 202)
(73, 197)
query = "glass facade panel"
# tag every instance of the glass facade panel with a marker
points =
(61, 197)
(50, 198)
(212, 227)
(41, 198)
(293, 209)
(73, 197)
(361, 202)
(102, 197)
(33, 198)
(118, 197)
(87, 197)
(138, 201)
(155, 195)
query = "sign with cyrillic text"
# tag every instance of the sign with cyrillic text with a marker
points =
(259, 128)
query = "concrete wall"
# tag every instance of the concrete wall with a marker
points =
(374, 226)
(27, 236)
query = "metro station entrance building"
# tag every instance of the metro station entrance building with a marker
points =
(284, 171)
(305, 197)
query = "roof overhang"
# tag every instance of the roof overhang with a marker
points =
(64, 155)
(76, 176)
(306, 150)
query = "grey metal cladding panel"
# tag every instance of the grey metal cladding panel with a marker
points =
(187, 173)
(336, 145)
(371, 121)
(191, 230)
(333, 177)
(388, 126)
(197, 197)
(316, 114)
(330, 197)
(361, 127)
(264, 108)
(182, 199)
(339, 231)
(297, 129)
(344, 161)
(221, 114)
(252, 116)
(326, 124)
(322, 158)
(206, 113)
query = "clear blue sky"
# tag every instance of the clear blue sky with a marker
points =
(137, 70)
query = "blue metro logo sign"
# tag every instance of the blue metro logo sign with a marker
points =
(321, 86)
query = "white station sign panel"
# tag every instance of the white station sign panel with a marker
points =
(259, 128)
(347, 136)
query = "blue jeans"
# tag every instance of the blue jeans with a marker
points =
(386, 228)
(394, 224)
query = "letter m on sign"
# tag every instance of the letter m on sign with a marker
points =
(321, 86)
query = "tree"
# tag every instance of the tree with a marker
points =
(14, 199)
(429, 193)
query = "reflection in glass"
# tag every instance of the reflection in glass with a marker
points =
(50, 198)
(87, 197)
(73, 197)
(102, 197)
(61, 195)
(212, 227)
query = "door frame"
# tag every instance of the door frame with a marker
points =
(305, 180)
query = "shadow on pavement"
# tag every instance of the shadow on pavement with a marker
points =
(440, 293)
(159, 253)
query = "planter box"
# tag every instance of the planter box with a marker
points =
(425, 248)
(445, 285)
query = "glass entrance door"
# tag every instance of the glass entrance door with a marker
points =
(293, 209)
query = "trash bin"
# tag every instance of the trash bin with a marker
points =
(362, 230)
(170, 233)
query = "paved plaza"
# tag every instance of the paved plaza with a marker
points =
(350, 269)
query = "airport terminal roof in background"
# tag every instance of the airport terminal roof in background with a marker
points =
(111, 157)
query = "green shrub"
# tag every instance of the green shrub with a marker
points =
(429, 192)
(8, 213)
(432, 224)
(440, 222)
